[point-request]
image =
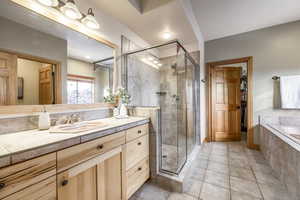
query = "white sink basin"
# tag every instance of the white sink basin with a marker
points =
(77, 127)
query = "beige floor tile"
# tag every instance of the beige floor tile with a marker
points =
(219, 159)
(239, 163)
(192, 187)
(267, 178)
(218, 167)
(241, 196)
(245, 186)
(217, 179)
(271, 192)
(242, 173)
(149, 190)
(196, 174)
(180, 196)
(212, 192)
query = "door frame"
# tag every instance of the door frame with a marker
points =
(250, 128)
(57, 74)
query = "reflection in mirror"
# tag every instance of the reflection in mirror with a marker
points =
(44, 62)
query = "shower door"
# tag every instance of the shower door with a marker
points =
(173, 106)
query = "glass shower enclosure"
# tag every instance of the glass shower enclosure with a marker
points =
(164, 76)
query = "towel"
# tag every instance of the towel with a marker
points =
(290, 92)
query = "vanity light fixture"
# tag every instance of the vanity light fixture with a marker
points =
(90, 21)
(159, 64)
(155, 62)
(70, 10)
(50, 3)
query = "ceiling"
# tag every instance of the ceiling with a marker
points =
(155, 20)
(79, 46)
(221, 18)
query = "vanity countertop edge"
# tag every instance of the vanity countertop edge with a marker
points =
(13, 150)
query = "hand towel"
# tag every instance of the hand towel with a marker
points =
(290, 92)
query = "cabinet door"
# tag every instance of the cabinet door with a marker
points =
(110, 178)
(96, 179)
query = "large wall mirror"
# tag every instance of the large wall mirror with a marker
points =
(45, 62)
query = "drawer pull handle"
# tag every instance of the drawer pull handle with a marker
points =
(100, 146)
(2, 185)
(139, 131)
(64, 182)
(140, 169)
(139, 143)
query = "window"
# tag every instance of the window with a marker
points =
(80, 89)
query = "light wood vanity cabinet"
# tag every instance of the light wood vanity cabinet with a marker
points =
(17, 177)
(96, 179)
(109, 168)
(137, 159)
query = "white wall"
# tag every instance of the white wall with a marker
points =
(81, 68)
(275, 51)
(29, 71)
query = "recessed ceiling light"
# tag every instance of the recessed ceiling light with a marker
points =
(87, 57)
(70, 10)
(90, 21)
(50, 3)
(166, 35)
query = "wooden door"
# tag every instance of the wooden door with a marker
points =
(45, 85)
(8, 79)
(96, 179)
(226, 113)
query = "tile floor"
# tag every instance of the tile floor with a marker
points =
(223, 171)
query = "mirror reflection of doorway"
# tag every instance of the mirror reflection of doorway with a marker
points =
(38, 82)
(26, 81)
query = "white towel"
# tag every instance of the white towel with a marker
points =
(290, 92)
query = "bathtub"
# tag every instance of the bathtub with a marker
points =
(280, 145)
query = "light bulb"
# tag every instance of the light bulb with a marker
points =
(70, 10)
(90, 21)
(50, 3)
(166, 35)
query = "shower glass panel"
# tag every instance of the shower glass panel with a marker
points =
(164, 76)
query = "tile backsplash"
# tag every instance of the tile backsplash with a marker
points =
(11, 124)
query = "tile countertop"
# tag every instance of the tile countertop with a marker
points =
(21, 146)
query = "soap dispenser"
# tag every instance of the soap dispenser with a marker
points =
(44, 120)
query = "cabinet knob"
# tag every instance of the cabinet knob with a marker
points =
(139, 168)
(139, 131)
(2, 185)
(100, 146)
(139, 143)
(64, 182)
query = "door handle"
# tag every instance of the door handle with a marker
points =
(238, 107)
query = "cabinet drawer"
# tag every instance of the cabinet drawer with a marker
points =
(17, 177)
(72, 156)
(45, 190)
(137, 176)
(136, 150)
(136, 132)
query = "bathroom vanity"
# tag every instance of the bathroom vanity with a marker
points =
(110, 163)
